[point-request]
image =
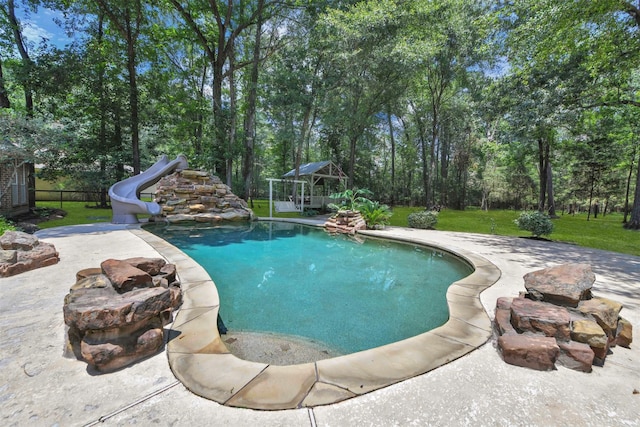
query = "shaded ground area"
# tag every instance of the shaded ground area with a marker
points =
(29, 221)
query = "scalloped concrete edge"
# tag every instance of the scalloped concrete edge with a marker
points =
(200, 360)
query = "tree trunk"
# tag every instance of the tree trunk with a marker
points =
(218, 60)
(4, 96)
(129, 28)
(425, 162)
(542, 172)
(24, 54)
(102, 133)
(435, 125)
(634, 221)
(444, 171)
(551, 203)
(353, 141)
(250, 127)
(233, 114)
(627, 191)
(28, 93)
(133, 100)
(393, 159)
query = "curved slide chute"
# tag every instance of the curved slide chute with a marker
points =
(125, 195)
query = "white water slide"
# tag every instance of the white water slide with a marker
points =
(125, 195)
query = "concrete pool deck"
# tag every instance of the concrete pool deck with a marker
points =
(40, 387)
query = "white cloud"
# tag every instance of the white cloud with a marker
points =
(35, 33)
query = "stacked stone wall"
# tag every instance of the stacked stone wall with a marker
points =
(191, 195)
(345, 221)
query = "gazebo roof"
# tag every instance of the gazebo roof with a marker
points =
(326, 169)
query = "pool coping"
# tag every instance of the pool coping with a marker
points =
(200, 360)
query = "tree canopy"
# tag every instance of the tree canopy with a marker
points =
(453, 103)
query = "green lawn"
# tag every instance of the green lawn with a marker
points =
(601, 233)
(77, 213)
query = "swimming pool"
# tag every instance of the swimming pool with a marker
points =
(201, 360)
(333, 290)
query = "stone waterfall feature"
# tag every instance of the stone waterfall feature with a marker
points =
(191, 195)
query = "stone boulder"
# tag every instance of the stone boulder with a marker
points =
(604, 311)
(115, 314)
(624, 333)
(559, 306)
(502, 321)
(23, 252)
(576, 356)
(566, 284)
(540, 318)
(588, 331)
(533, 352)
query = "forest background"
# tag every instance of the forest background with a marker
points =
(529, 104)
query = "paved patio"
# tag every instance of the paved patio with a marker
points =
(40, 387)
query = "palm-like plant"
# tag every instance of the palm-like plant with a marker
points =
(376, 215)
(351, 199)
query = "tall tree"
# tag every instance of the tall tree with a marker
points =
(601, 38)
(126, 17)
(231, 20)
(4, 95)
(26, 78)
(250, 119)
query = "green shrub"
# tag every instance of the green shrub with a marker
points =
(425, 220)
(374, 214)
(537, 223)
(5, 225)
(350, 199)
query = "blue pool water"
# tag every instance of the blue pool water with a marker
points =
(297, 280)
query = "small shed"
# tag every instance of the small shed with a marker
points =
(14, 173)
(317, 181)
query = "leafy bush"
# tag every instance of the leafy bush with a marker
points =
(374, 214)
(351, 199)
(425, 220)
(537, 223)
(5, 225)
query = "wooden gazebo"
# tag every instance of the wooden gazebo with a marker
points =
(316, 181)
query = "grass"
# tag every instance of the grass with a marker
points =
(77, 213)
(604, 233)
(601, 233)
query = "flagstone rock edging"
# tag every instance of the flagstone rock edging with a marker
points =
(558, 320)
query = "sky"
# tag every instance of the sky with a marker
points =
(42, 25)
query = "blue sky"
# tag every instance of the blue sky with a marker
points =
(37, 26)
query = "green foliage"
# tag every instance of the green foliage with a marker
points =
(425, 220)
(5, 225)
(537, 223)
(375, 214)
(351, 199)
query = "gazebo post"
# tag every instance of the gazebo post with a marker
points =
(270, 198)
